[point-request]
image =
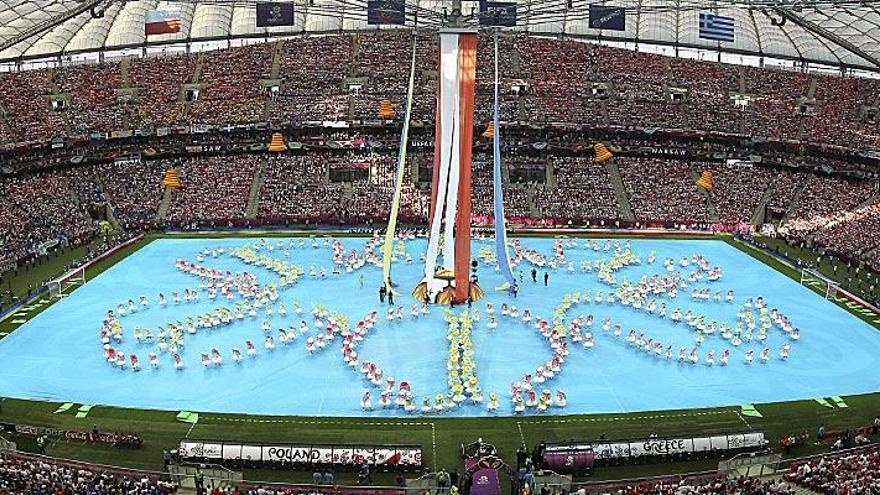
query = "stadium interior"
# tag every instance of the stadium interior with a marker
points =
(754, 122)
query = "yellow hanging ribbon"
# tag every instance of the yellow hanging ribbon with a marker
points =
(387, 248)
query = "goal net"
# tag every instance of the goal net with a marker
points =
(64, 285)
(818, 282)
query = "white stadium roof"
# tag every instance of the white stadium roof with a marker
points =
(833, 32)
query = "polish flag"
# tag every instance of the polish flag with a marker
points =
(161, 22)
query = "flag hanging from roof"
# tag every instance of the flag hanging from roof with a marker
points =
(161, 22)
(716, 27)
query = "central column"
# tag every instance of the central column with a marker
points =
(450, 216)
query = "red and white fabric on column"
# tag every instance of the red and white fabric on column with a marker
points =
(451, 184)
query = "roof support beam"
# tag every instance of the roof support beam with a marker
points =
(48, 24)
(820, 31)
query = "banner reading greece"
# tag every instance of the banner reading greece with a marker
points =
(272, 14)
(501, 253)
(607, 17)
(497, 13)
(398, 177)
(386, 12)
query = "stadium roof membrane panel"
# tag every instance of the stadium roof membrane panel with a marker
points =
(831, 32)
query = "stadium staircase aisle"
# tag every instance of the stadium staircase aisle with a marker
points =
(811, 93)
(346, 193)
(124, 68)
(199, 68)
(111, 209)
(355, 51)
(253, 204)
(165, 205)
(761, 208)
(603, 107)
(277, 58)
(194, 79)
(711, 210)
(65, 117)
(795, 489)
(531, 192)
(743, 89)
(867, 202)
(4, 122)
(550, 177)
(515, 63)
(794, 201)
(799, 490)
(623, 204)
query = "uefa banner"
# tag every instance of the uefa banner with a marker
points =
(386, 12)
(406, 457)
(497, 14)
(273, 14)
(607, 17)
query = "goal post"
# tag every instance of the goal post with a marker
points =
(65, 284)
(818, 282)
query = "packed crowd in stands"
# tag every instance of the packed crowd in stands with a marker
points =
(24, 97)
(710, 86)
(639, 97)
(516, 196)
(641, 89)
(135, 190)
(837, 214)
(558, 92)
(736, 192)
(312, 72)
(25, 475)
(821, 196)
(39, 212)
(663, 190)
(93, 101)
(583, 191)
(231, 90)
(214, 190)
(848, 472)
(298, 189)
(772, 110)
(852, 473)
(839, 116)
(159, 82)
(848, 232)
(387, 75)
(708, 485)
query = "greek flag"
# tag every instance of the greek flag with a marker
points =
(716, 27)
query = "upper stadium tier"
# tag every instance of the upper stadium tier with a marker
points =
(837, 33)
